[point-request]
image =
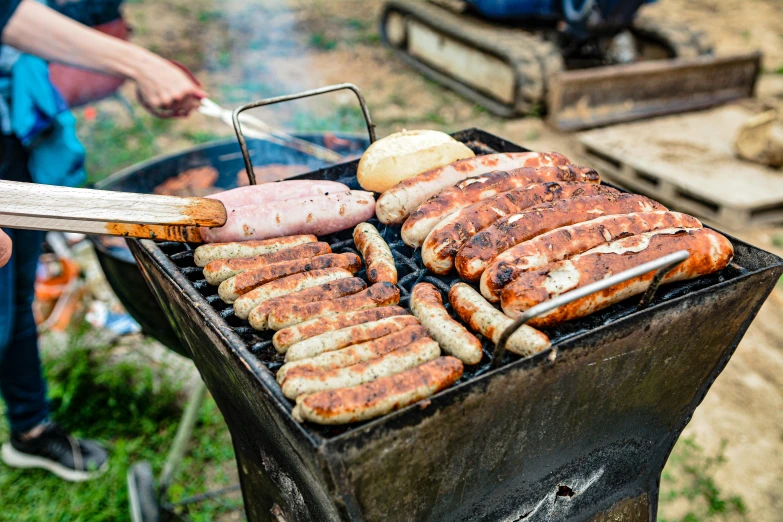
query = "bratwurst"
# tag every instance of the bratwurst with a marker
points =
(478, 188)
(444, 241)
(379, 294)
(564, 242)
(286, 337)
(221, 269)
(474, 257)
(709, 252)
(402, 199)
(215, 251)
(380, 396)
(230, 289)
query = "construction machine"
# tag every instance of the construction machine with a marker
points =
(585, 63)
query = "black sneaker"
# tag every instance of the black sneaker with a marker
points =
(67, 457)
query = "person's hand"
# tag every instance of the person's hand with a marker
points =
(5, 248)
(165, 87)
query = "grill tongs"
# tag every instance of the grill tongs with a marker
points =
(46, 207)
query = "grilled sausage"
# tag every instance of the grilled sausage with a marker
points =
(475, 255)
(354, 354)
(398, 202)
(332, 290)
(230, 289)
(359, 333)
(319, 215)
(485, 319)
(379, 397)
(475, 189)
(212, 252)
(286, 285)
(448, 236)
(379, 294)
(377, 254)
(709, 252)
(415, 354)
(218, 271)
(286, 337)
(562, 243)
(427, 305)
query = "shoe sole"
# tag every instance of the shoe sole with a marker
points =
(17, 459)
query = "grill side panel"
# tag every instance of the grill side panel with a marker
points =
(277, 463)
(556, 437)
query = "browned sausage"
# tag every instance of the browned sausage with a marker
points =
(475, 189)
(379, 294)
(377, 254)
(218, 271)
(334, 289)
(398, 202)
(286, 285)
(474, 257)
(214, 251)
(427, 305)
(354, 354)
(484, 318)
(409, 356)
(381, 396)
(286, 337)
(230, 289)
(709, 252)
(334, 340)
(564, 242)
(448, 236)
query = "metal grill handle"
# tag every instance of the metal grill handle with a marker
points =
(663, 265)
(288, 97)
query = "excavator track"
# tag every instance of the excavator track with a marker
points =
(505, 70)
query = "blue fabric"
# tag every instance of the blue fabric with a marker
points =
(42, 122)
(22, 384)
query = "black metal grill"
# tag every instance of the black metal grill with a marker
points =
(598, 414)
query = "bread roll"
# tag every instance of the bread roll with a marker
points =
(404, 154)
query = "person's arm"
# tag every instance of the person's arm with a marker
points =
(5, 248)
(39, 30)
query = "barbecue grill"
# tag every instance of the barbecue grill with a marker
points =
(578, 432)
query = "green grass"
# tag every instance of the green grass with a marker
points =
(134, 410)
(112, 146)
(689, 475)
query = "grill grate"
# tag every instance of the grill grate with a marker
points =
(411, 271)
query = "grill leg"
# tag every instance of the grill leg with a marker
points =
(181, 439)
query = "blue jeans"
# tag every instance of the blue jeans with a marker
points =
(22, 384)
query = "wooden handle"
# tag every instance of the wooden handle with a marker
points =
(47, 201)
(182, 234)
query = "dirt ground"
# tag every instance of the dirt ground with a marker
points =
(245, 51)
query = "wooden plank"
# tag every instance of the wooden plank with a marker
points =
(688, 162)
(182, 234)
(599, 96)
(480, 70)
(47, 201)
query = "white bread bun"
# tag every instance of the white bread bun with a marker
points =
(404, 154)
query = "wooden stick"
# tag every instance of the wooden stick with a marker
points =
(47, 201)
(178, 233)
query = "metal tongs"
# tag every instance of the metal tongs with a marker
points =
(259, 129)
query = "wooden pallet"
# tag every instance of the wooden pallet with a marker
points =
(688, 163)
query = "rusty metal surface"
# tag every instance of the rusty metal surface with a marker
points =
(599, 96)
(567, 434)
